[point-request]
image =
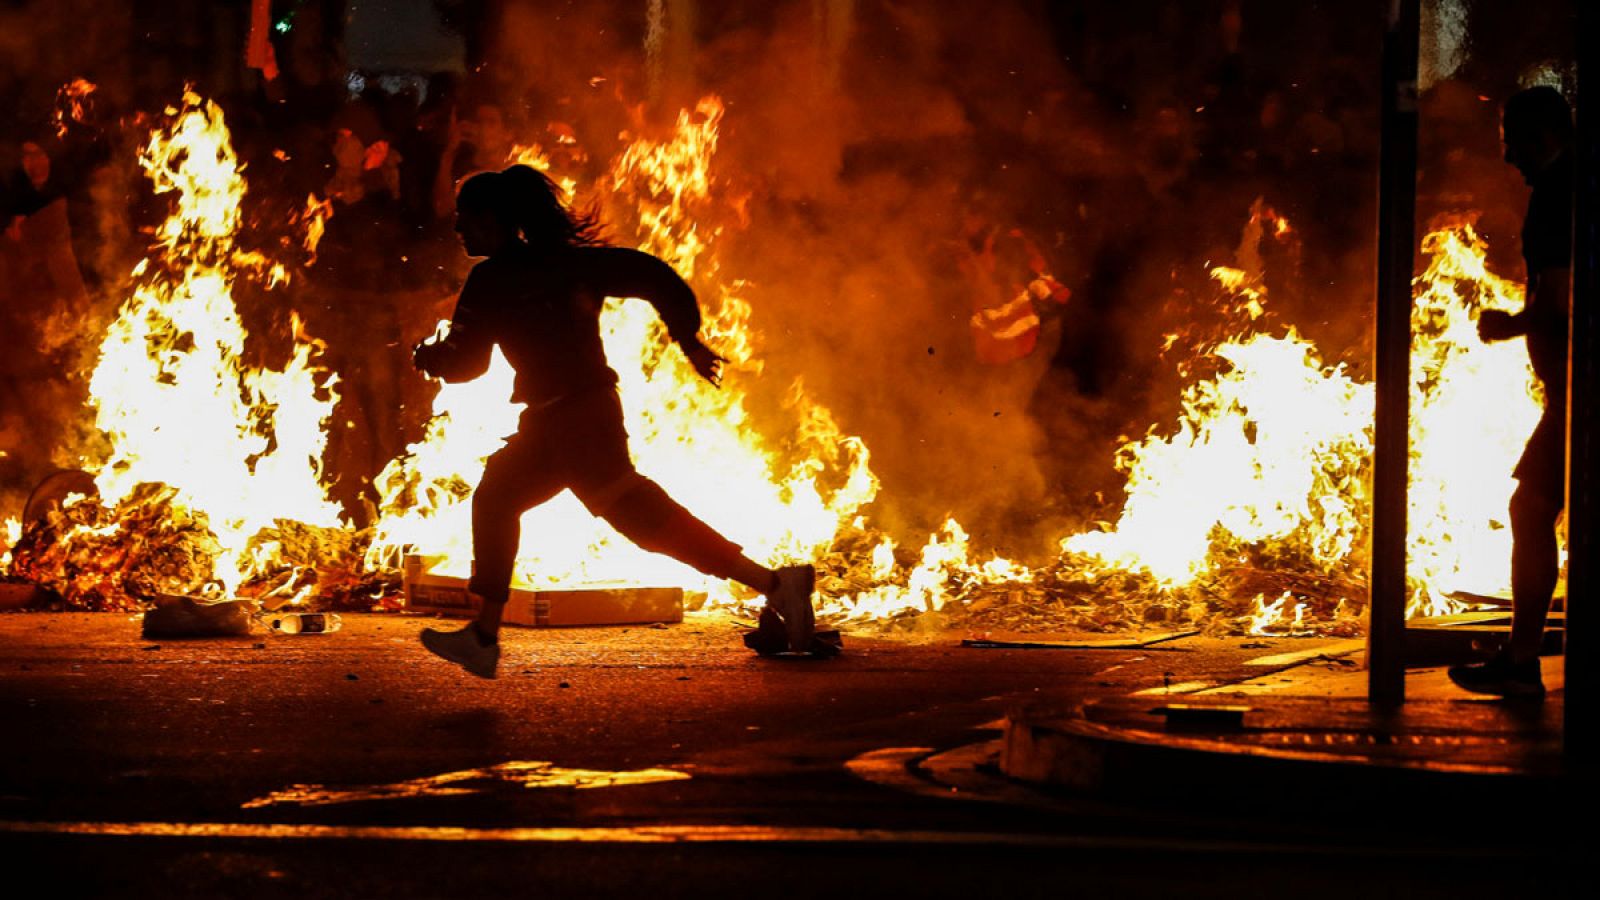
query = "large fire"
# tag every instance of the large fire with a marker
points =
(1267, 464)
(689, 436)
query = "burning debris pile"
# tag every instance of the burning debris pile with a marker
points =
(209, 456)
(1248, 513)
(85, 554)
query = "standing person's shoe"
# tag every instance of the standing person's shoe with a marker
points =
(463, 648)
(791, 600)
(1501, 677)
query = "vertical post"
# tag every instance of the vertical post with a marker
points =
(669, 44)
(1397, 201)
(1583, 567)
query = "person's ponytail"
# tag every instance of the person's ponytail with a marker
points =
(532, 202)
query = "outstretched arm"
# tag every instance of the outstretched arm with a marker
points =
(620, 272)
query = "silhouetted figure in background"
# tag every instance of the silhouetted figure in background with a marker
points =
(46, 276)
(43, 304)
(1538, 141)
(538, 295)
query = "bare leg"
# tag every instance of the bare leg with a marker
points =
(644, 514)
(642, 511)
(753, 575)
(513, 482)
(1535, 567)
(488, 620)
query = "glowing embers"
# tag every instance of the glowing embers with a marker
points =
(516, 775)
(74, 105)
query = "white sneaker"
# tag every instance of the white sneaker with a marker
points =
(463, 648)
(791, 600)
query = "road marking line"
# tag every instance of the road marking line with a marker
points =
(1177, 687)
(1331, 651)
(719, 834)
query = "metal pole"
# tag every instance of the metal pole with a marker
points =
(1583, 567)
(1397, 202)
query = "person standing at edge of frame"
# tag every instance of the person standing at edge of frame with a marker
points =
(1538, 134)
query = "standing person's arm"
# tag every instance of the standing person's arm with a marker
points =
(1547, 249)
(1545, 311)
(463, 352)
(618, 272)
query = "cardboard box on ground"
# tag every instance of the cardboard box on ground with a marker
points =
(599, 604)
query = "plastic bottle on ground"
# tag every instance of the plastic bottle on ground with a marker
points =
(303, 623)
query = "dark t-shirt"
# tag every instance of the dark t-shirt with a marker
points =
(1547, 244)
(543, 310)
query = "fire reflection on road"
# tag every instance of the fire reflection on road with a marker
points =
(527, 774)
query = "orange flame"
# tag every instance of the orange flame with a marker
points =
(73, 100)
(1275, 449)
(687, 435)
(240, 445)
(1272, 451)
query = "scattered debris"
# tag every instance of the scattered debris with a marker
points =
(15, 595)
(175, 616)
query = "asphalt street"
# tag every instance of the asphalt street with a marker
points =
(639, 762)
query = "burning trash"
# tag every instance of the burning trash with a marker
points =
(213, 482)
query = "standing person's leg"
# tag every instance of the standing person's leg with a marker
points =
(1535, 567)
(1535, 564)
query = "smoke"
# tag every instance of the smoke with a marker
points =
(873, 146)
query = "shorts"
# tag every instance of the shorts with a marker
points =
(1543, 466)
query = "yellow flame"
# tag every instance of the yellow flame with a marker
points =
(1271, 451)
(240, 444)
(314, 217)
(1274, 449)
(1278, 618)
(692, 438)
(1473, 406)
(1265, 451)
(10, 533)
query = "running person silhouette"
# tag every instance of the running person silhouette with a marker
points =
(537, 294)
